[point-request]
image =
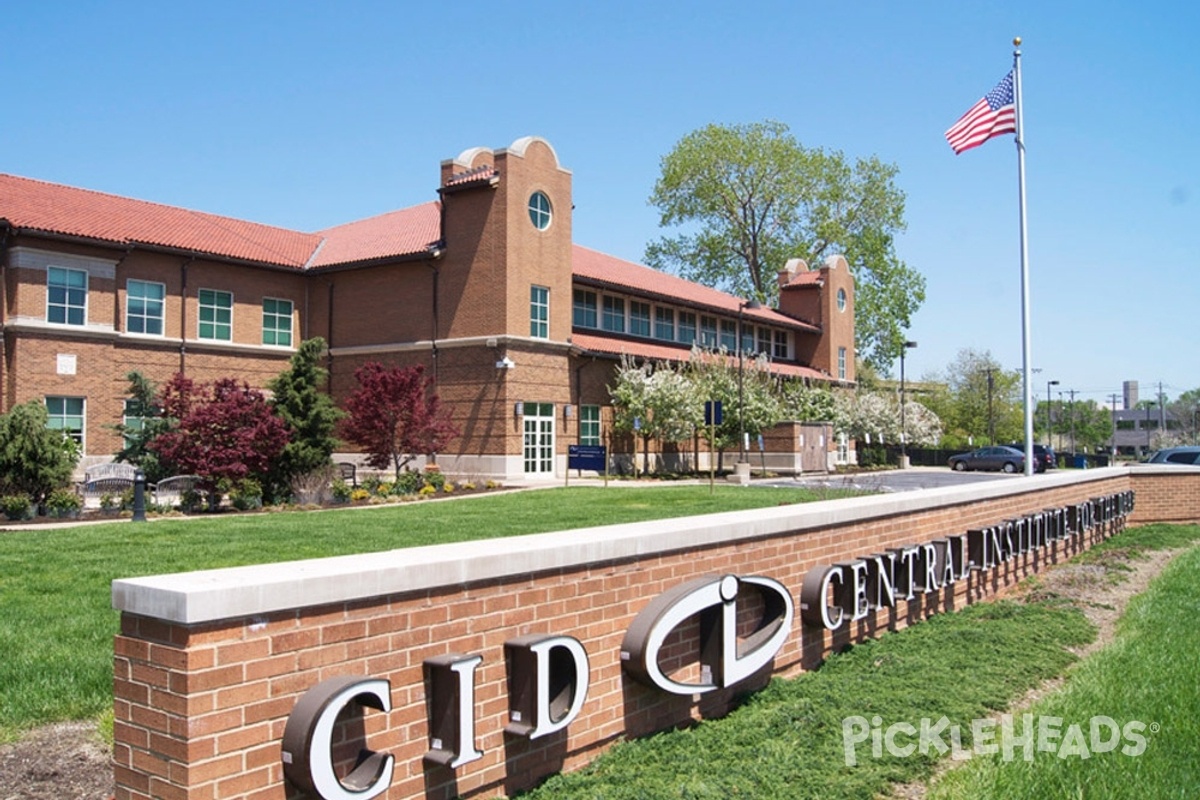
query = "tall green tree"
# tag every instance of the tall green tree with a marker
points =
(750, 197)
(143, 424)
(978, 398)
(34, 459)
(310, 414)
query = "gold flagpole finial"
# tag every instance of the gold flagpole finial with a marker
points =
(1016, 41)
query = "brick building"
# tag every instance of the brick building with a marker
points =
(519, 326)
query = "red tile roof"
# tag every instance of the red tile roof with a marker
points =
(606, 345)
(397, 233)
(611, 271)
(54, 208)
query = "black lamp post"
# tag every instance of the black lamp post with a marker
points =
(750, 304)
(1049, 413)
(903, 426)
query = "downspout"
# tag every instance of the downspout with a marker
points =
(6, 231)
(329, 342)
(183, 282)
(117, 318)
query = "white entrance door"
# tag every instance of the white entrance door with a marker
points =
(539, 438)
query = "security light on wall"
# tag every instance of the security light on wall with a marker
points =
(505, 363)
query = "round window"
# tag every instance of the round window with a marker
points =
(539, 210)
(841, 299)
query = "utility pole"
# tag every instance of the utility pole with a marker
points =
(991, 419)
(1162, 410)
(1112, 399)
(1072, 393)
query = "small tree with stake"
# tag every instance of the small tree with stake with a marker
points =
(394, 417)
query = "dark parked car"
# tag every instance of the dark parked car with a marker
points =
(1006, 459)
(1043, 456)
(1176, 455)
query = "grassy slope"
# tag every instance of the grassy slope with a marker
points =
(1151, 675)
(787, 741)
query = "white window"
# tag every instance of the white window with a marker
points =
(540, 213)
(781, 345)
(708, 332)
(639, 318)
(841, 299)
(764, 340)
(66, 415)
(614, 314)
(539, 312)
(277, 322)
(729, 335)
(216, 315)
(687, 327)
(584, 312)
(66, 296)
(144, 303)
(664, 323)
(841, 364)
(589, 425)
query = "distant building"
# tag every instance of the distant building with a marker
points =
(519, 326)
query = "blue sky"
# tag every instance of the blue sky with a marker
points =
(306, 115)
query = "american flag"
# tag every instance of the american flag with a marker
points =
(992, 116)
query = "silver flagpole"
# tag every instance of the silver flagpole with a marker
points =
(1026, 350)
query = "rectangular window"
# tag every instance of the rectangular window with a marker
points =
(66, 296)
(144, 307)
(216, 315)
(729, 335)
(764, 340)
(687, 327)
(539, 312)
(747, 338)
(639, 318)
(781, 344)
(708, 332)
(841, 363)
(584, 313)
(664, 324)
(277, 322)
(589, 425)
(66, 414)
(614, 314)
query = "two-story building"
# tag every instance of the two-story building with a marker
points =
(519, 327)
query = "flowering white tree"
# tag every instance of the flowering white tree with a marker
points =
(655, 401)
(874, 417)
(716, 375)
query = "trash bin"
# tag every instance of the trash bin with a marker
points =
(1079, 462)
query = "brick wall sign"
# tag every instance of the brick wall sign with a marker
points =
(478, 669)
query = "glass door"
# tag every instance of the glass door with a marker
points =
(539, 438)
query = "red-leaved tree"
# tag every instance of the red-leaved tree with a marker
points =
(394, 417)
(225, 430)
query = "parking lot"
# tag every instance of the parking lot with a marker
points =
(898, 480)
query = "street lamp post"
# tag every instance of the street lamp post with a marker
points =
(741, 341)
(1049, 413)
(903, 426)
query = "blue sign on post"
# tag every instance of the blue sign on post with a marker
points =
(587, 456)
(712, 412)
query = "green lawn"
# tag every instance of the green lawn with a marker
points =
(56, 620)
(1147, 683)
(789, 741)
